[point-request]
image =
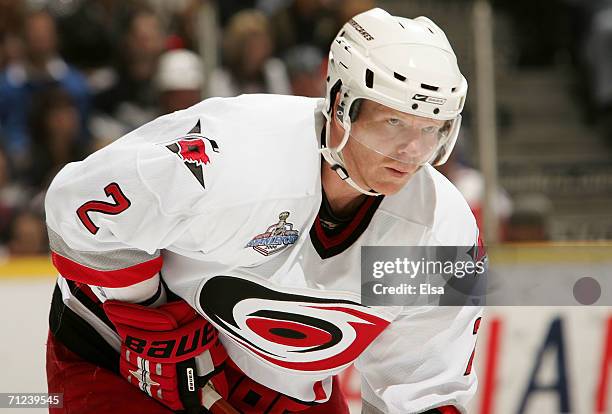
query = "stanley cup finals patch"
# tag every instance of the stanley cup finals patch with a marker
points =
(276, 237)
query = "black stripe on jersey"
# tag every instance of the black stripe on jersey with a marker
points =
(328, 247)
(80, 337)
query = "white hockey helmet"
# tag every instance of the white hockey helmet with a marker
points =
(404, 64)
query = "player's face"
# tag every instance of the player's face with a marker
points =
(387, 146)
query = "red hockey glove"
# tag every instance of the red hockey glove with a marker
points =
(171, 353)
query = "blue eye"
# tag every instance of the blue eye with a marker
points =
(393, 121)
(429, 129)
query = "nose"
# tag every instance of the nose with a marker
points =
(413, 147)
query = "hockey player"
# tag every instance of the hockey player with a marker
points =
(209, 260)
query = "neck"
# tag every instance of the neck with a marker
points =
(343, 199)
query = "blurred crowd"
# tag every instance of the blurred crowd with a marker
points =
(77, 74)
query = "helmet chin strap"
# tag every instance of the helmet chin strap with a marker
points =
(334, 157)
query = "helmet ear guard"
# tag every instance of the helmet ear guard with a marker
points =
(340, 113)
(353, 112)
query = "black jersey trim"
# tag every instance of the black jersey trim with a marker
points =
(327, 246)
(77, 290)
(79, 336)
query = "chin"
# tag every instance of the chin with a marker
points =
(388, 188)
(391, 186)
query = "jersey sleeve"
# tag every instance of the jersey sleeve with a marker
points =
(422, 360)
(109, 215)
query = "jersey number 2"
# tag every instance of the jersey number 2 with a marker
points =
(120, 204)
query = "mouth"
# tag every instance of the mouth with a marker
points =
(398, 173)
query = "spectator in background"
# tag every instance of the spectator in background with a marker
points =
(132, 100)
(249, 65)
(228, 8)
(11, 20)
(13, 195)
(54, 127)
(307, 70)
(41, 68)
(88, 30)
(27, 235)
(179, 79)
(305, 22)
(180, 18)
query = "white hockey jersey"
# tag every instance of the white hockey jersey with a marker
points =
(221, 201)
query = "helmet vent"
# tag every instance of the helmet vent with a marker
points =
(369, 78)
(429, 87)
(454, 89)
(399, 77)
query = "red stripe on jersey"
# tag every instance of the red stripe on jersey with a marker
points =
(329, 246)
(448, 409)
(344, 234)
(106, 278)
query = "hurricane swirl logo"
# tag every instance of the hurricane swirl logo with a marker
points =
(293, 331)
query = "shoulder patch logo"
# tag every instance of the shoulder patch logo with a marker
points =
(191, 148)
(276, 237)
